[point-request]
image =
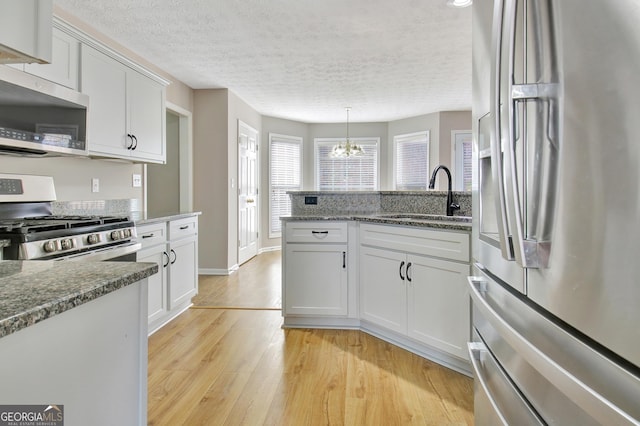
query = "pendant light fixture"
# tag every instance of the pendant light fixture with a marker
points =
(347, 149)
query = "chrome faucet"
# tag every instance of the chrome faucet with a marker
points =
(451, 206)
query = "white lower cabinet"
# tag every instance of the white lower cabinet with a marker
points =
(316, 279)
(173, 245)
(383, 293)
(438, 310)
(316, 269)
(421, 297)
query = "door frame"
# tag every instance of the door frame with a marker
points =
(185, 141)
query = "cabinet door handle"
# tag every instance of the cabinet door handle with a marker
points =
(130, 136)
(407, 271)
(175, 257)
(148, 235)
(166, 264)
(344, 259)
(400, 270)
(136, 142)
(184, 227)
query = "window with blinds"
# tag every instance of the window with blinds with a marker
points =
(346, 174)
(285, 174)
(411, 161)
(463, 150)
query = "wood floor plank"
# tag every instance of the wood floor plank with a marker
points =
(239, 367)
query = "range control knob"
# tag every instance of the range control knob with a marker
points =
(116, 235)
(50, 246)
(66, 243)
(127, 233)
(93, 238)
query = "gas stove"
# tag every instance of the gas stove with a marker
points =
(35, 234)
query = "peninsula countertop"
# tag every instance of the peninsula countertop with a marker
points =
(144, 218)
(458, 223)
(32, 291)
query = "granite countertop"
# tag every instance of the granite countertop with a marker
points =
(32, 291)
(459, 223)
(143, 217)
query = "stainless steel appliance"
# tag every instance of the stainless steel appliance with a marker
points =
(556, 202)
(30, 232)
(39, 118)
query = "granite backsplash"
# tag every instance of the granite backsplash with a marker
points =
(372, 202)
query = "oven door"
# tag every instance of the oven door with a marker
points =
(123, 253)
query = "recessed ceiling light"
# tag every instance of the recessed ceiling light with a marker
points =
(459, 3)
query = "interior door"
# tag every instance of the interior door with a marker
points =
(247, 192)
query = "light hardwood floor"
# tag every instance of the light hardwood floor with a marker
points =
(230, 366)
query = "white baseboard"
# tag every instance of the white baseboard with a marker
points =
(272, 248)
(212, 271)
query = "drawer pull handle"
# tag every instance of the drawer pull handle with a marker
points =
(184, 227)
(148, 236)
(320, 234)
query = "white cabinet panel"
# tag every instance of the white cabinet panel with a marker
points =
(438, 304)
(183, 271)
(316, 279)
(64, 65)
(157, 283)
(383, 293)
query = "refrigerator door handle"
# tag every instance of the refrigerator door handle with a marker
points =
(496, 145)
(593, 402)
(528, 252)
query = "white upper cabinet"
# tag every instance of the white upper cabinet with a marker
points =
(64, 65)
(126, 110)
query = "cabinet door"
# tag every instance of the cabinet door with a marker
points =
(183, 278)
(146, 117)
(63, 68)
(383, 296)
(104, 80)
(157, 283)
(316, 279)
(439, 308)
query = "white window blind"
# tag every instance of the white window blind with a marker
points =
(285, 174)
(463, 150)
(346, 174)
(411, 165)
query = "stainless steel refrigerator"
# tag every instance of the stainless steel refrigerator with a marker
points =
(556, 197)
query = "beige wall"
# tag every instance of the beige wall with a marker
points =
(72, 176)
(163, 180)
(211, 172)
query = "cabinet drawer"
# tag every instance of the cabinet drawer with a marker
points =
(152, 234)
(183, 228)
(316, 232)
(445, 244)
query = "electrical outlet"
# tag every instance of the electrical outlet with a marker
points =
(95, 185)
(137, 180)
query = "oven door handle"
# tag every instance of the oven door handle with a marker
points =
(104, 254)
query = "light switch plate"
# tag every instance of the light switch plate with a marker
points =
(137, 180)
(95, 185)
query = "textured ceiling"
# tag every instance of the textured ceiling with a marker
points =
(304, 60)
